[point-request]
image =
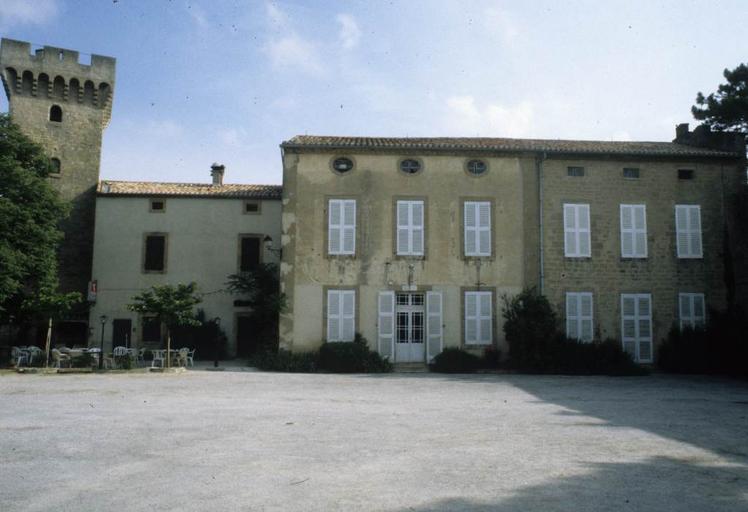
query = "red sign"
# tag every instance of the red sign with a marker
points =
(92, 288)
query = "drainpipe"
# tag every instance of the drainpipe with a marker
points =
(541, 257)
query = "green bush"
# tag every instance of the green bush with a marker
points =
(352, 357)
(285, 361)
(84, 360)
(590, 358)
(456, 360)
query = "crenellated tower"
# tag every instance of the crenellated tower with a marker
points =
(64, 105)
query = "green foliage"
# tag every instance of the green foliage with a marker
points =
(84, 360)
(173, 305)
(354, 357)
(260, 290)
(285, 361)
(576, 357)
(123, 362)
(30, 210)
(202, 337)
(726, 109)
(455, 360)
(717, 349)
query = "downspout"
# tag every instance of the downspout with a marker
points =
(541, 255)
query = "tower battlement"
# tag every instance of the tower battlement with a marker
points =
(57, 74)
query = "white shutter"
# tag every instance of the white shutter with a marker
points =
(341, 315)
(410, 228)
(334, 226)
(688, 231)
(633, 231)
(349, 227)
(644, 333)
(478, 318)
(570, 230)
(477, 228)
(333, 315)
(572, 314)
(577, 230)
(386, 305)
(485, 319)
(433, 324)
(579, 323)
(583, 230)
(471, 318)
(692, 310)
(403, 228)
(636, 326)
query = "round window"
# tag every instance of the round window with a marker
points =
(410, 166)
(342, 165)
(476, 167)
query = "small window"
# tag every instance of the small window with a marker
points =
(478, 318)
(576, 172)
(633, 230)
(476, 227)
(685, 174)
(577, 231)
(54, 166)
(55, 114)
(688, 230)
(410, 166)
(692, 311)
(155, 253)
(342, 165)
(158, 205)
(341, 315)
(631, 173)
(476, 167)
(341, 227)
(249, 257)
(251, 207)
(410, 228)
(579, 316)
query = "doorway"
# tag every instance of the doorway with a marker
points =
(409, 328)
(246, 336)
(121, 332)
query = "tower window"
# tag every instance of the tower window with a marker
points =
(685, 174)
(54, 166)
(55, 114)
(575, 172)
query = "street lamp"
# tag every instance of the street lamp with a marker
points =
(217, 321)
(102, 319)
(268, 242)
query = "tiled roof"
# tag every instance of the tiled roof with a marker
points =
(147, 188)
(503, 145)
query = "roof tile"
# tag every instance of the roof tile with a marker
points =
(147, 188)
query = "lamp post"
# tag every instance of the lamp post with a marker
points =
(217, 321)
(102, 319)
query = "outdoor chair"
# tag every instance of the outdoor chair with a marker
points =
(182, 355)
(35, 353)
(191, 357)
(119, 352)
(140, 357)
(58, 359)
(158, 356)
(20, 356)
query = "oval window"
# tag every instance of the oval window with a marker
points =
(476, 167)
(410, 166)
(342, 164)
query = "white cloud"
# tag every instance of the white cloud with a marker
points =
(350, 34)
(289, 50)
(465, 117)
(37, 12)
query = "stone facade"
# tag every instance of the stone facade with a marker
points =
(35, 83)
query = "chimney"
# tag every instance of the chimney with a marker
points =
(216, 171)
(681, 133)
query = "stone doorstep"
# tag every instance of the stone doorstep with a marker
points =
(410, 368)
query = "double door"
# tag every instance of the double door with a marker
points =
(409, 328)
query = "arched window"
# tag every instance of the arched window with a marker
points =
(42, 85)
(55, 114)
(58, 87)
(55, 167)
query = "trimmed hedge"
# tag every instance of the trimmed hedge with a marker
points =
(285, 361)
(456, 360)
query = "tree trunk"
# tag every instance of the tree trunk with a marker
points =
(168, 347)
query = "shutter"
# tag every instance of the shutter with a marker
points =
(694, 228)
(628, 324)
(387, 324)
(684, 306)
(334, 226)
(640, 228)
(644, 333)
(403, 228)
(349, 227)
(333, 315)
(486, 332)
(471, 229)
(583, 230)
(570, 230)
(627, 231)
(348, 315)
(699, 311)
(416, 212)
(585, 314)
(681, 230)
(484, 228)
(433, 324)
(471, 317)
(572, 331)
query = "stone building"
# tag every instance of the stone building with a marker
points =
(64, 105)
(167, 233)
(412, 242)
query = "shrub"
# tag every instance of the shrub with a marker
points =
(456, 360)
(491, 358)
(352, 357)
(84, 360)
(596, 358)
(285, 361)
(530, 329)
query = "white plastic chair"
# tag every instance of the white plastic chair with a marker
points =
(191, 357)
(19, 356)
(182, 355)
(158, 355)
(35, 352)
(58, 358)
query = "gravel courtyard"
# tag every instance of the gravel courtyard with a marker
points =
(411, 442)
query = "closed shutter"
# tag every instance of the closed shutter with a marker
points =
(577, 231)
(636, 326)
(341, 315)
(477, 228)
(628, 324)
(579, 316)
(644, 333)
(386, 324)
(478, 318)
(333, 315)
(410, 228)
(692, 310)
(433, 324)
(585, 316)
(341, 229)
(633, 231)
(688, 231)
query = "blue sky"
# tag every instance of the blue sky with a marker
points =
(200, 81)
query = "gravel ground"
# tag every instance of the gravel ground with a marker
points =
(418, 442)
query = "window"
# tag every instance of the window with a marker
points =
(579, 316)
(55, 166)
(158, 205)
(685, 174)
(342, 165)
(55, 114)
(575, 172)
(151, 329)
(692, 310)
(249, 253)
(688, 230)
(410, 166)
(155, 253)
(341, 231)
(631, 173)
(251, 207)
(633, 231)
(410, 228)
(341, 315)
(636, 326)
(477, 228)
(577, 231)
(476, 167)
(478, 318)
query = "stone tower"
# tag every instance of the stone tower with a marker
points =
(65, 106)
